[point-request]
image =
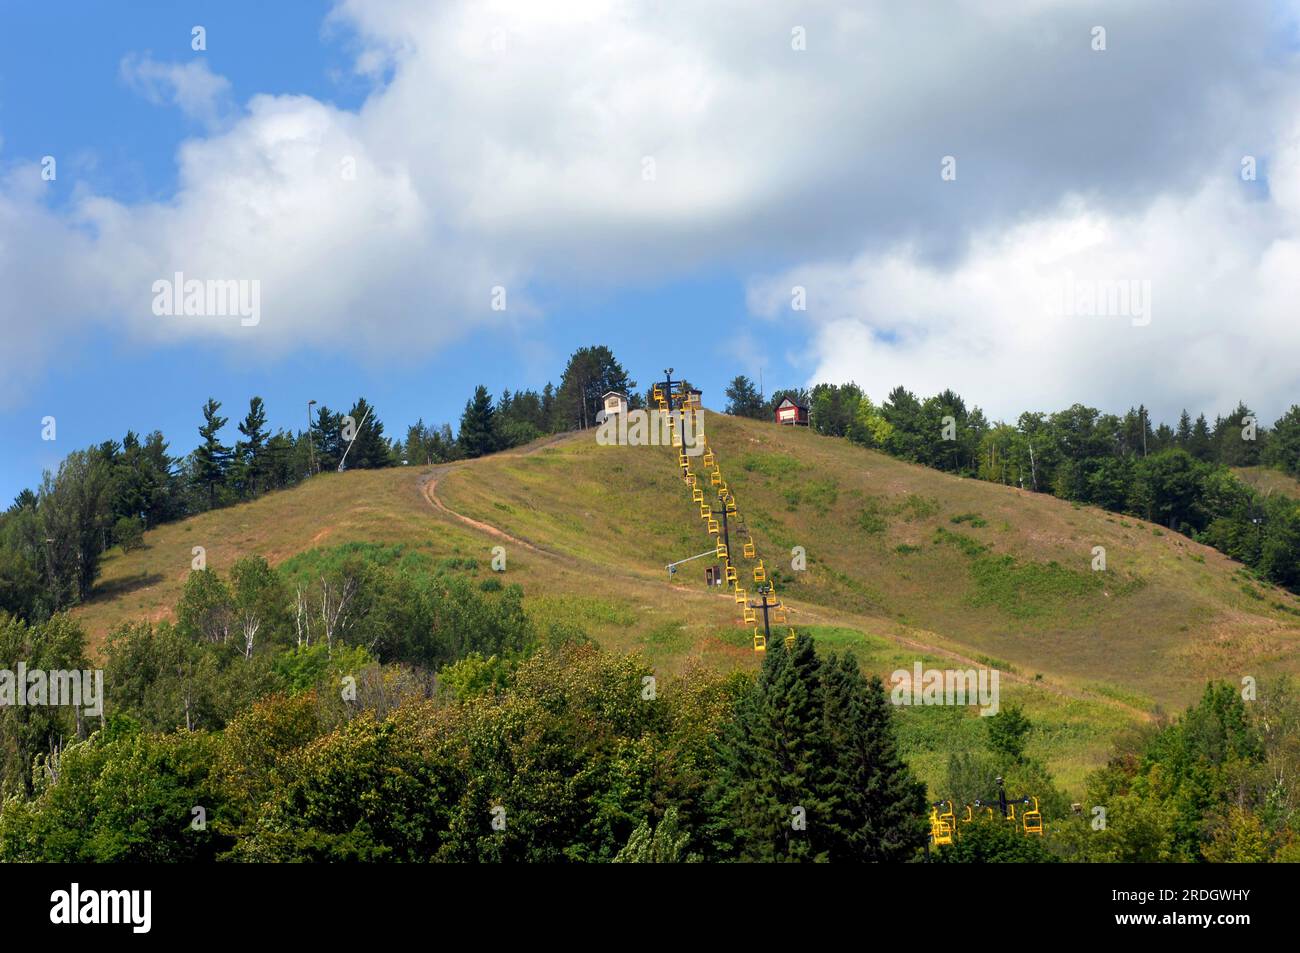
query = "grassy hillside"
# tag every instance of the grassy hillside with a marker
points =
(1267, 480)
(904, 563)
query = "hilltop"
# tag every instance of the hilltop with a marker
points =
(903, 563)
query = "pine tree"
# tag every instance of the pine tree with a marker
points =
(590, 373)
(250, 456)
(327, 439)
(369, 448)
(478, 431)
(882, 812)
(1201, 444)
(212, 457)
(774, 786)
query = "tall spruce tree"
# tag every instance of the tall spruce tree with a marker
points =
(776, 785)
(369, 447)
(478, 426)
(212, 457)
(250, 463)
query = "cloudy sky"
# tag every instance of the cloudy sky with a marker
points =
(927, 194)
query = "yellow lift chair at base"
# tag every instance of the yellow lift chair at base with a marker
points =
(940, 830)
(1033, 819)
(760, 642)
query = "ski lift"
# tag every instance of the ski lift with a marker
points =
(760, 574)
(715, 478)
(750, 615)
(714, 528)
(760, 642)
(940, 830)
(709, 459)
(731, 573)
(750, 551)
(697, 496)
(722, 551)
(740, 596)
(1033, 819)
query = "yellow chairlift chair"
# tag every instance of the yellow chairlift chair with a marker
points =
(714, 528)
(715, 478)
(778, 615)
(949, 817)
(1033, 819)
(706, 511)
(658, 392)
(722, 551)
(750, 551)
(750, 615)
(731, 574)
(709, 459)
(697, 496)
(790, 640)
(760, 642)
(940, 830)
(760, 574)
(741, 596)
(683, 460)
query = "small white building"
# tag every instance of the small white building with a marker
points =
(614, 403)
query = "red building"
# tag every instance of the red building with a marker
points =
(788, 412)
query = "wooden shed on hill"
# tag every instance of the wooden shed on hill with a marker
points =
(788, 412)
(614, 403)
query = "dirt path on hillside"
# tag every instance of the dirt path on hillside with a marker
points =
(810, 614)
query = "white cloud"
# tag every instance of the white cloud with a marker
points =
(1223, 273)
(506, 148)
(191, 86)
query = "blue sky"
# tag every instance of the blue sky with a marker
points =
(125, 147)
(506, 144)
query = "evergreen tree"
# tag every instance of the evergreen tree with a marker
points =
(212, 458)
(478, 426)
(590, 373)
(327, 439)
(882, 804)
(368, 449)
(1201, 444)
(775, 786)
(250, 463)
